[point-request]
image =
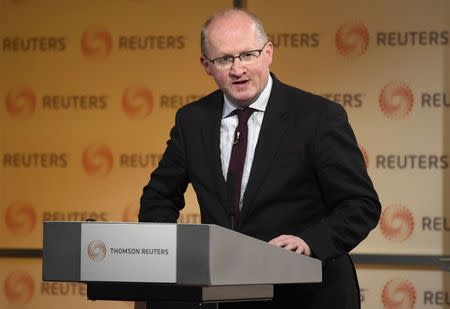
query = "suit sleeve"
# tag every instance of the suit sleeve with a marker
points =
(163, 196)
(347, 190)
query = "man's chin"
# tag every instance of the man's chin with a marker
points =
(243, 100)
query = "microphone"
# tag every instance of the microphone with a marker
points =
(236, 138)
(230, 199)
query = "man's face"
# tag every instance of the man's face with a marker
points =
(232, 35)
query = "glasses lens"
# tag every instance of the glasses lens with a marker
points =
(224, 65)
(224, 61)
(249, 57)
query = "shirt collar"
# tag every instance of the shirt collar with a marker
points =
(260, 104)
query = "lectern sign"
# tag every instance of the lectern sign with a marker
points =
(107, 253)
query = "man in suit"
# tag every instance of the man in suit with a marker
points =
(303, 185)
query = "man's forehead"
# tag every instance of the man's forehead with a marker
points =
(232, 20)
(232, 47)
(221, 33)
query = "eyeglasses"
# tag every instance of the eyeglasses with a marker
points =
(247, 58)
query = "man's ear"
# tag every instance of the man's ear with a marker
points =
(269, 53)
(206, 64)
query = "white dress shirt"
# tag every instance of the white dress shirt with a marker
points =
(228, 126)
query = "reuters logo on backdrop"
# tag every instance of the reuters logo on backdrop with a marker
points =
(19, 288)
(396, 223)
(96, 250)
(20, 218)
(137, 101)
(352, 39)
(20, 102)
(365, 155)
(398, 294)
(97, 160)
(396, 100)
(96, 42)
(130, 213)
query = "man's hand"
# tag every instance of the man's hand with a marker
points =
(292, 243)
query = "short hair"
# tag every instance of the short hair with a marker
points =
(259, 26)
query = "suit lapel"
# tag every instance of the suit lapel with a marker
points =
(271, 134)
(211, 139)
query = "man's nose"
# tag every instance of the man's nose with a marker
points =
(237, 68)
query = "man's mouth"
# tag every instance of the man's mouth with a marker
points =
(240, 82)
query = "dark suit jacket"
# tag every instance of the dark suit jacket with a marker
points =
(308, 179)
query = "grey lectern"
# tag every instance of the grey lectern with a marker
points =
(160, 263)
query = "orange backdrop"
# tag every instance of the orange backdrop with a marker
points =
(89, 91)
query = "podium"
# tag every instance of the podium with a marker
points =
(169, 265)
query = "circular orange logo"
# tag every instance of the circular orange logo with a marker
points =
(97, 160)
(20, 218)
(398, 294)
(96, 250)
(396, 100)
(137, 101)
(396, 223)
(131, 212)
(19, 287)
(352, 39)
(96, 42)
(365, 155)
(20, 102)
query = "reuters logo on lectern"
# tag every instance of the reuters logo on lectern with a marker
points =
(20, 102)
(352, 39)
(396, 100)
(19, 288)
(398, 294)
(97, 160)
(96, 250)
(137, 101)
(20, 218)
(96, 42)
(396, 223)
